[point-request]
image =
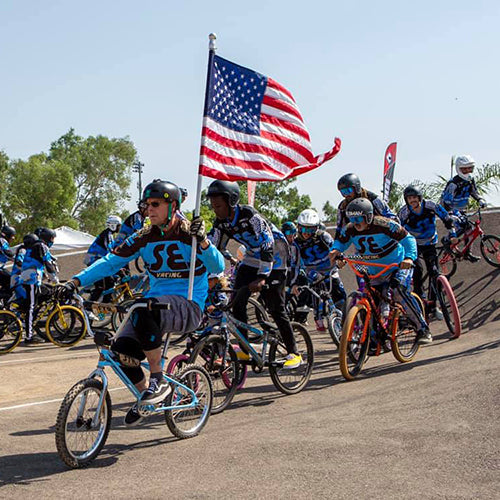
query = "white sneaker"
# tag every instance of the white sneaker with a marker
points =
(92, 316)
(438, 314)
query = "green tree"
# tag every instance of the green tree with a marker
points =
(101, 168)
(330, 212)
(41, 192)
(4, 168)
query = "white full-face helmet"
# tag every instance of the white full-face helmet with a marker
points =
(308, 221)
(465, 161)
(113, 222)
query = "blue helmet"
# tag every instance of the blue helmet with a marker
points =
(288, 228)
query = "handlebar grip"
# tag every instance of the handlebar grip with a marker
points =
(158, 306)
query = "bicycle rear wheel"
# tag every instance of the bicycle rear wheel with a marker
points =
(447, 262)
(188, 422)
(256, 314)
(404, 338)
(11, 331)
(65, 326)
(292, 381)
(449, 306)
(354, 342)
(78, 439)
(219, 359)
(490, 248)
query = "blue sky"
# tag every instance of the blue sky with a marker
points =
(422, 74)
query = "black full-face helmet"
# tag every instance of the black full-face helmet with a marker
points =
(349, 181)
(8, 232)
(230, 190)
(45, 234)
(360, 207)
(29, 240)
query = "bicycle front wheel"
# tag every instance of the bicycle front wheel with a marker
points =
(404, 338)
(65, 326)
(490, 248)
(188, 422)
(334, 322)
(449, 306)
(219, 359)
(11, 331)
(292, 381)
(80, 433)
(354, 342)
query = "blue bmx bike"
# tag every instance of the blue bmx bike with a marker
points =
(84, 417)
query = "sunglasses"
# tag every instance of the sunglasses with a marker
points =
(308, 230)
(357, 219)
(346, 191)
(154, 204)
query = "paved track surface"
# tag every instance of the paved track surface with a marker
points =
(426, 429)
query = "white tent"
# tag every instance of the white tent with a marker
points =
(69, 239)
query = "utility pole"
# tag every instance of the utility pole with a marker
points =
(137, 168)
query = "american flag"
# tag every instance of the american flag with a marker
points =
(253, 129)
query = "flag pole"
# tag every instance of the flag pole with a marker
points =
(211, 52)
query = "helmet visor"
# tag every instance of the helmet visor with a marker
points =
(346, 191)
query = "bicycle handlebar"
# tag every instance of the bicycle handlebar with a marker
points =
(356, 262)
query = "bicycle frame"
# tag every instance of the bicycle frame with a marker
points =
(471, 235)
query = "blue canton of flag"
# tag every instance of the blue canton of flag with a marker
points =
(235, 96)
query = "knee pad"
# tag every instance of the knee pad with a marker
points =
(147, 327)
(130, 354)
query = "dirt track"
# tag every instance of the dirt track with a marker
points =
(426, 429)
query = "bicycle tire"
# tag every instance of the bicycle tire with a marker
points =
(490, 249)
(224, 374)
(117, 317)
(64, 424)
(353, 348)
(449, 306)
(177, 363)
(65, 331)
(447, 262)
(256, 314)
(11, 331)
(334, 321)
(295, 380)
(197, 379)
(404, 339)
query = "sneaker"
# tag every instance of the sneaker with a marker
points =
(133, 417)
(92, 316)
(34, 340)
(242, 355)
(292, 361)
(438, 314)
(320, 326)
(156, 392)
(472, 258)
(424, 337)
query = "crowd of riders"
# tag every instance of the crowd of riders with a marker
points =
(274, 260)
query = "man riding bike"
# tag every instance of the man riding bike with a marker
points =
(265, 261)
(384, 241)
(165, 247)
(7, 235)
(418, 217)
(456, 194)
(314, 247)
(350, 188)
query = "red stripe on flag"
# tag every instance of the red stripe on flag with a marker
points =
(282, 106)
(247, 165)
(275, 85)
(273, 120)
(295, 146)
(249, 148)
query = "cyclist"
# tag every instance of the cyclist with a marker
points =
(100, 247)
(7, 235)
(265, 261)
(289, 229)
(37, 259)
(165, 247)
(15, 278)
(315, 246)
(418, 217)
(350, 188)
(456, 194)
(48, 236)
(384, 241)
(130, 225)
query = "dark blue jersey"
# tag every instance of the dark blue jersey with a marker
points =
(250, 229)
(457, 192)
(422, 224)
(314, 251)
(6, 253)
(380, 207)
(36, 260)
(131, 224)
(100, 247)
